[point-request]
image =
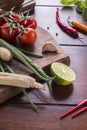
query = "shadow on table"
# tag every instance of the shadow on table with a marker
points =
(61, 92)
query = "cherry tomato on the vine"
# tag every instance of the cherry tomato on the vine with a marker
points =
(28, 37)
(6, 34)
(2, 21)
(15, 17)
(31, 23)
(1, 12)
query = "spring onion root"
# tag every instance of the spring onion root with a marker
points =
(19, 80)
(4, 66)
(28, 62)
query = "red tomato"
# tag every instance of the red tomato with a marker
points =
(6, 35)
(15, 17)
(31, 23)
(2, 21)
(28, 37)
(1, 11)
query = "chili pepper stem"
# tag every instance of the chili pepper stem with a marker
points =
(79, 38)
(71, 24)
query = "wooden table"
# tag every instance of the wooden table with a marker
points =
(16, 114)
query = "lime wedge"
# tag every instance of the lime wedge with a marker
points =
(64, 74)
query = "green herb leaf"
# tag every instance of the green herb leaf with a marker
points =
(67, 2)
(85, 3)
(79, 3)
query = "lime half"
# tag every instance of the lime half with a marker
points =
(64, 74)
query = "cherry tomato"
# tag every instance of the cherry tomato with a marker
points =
(31, 23)
(6, 35)
(1, 11)
(2, 21)
(15, 17)
(28, 37)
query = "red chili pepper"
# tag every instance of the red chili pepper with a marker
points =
(74, 109)
(79, 112)
(71, 31)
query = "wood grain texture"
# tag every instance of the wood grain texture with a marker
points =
(8, 4)
(20, 117)
(64, 94)
(48, 58)
(20, 5)
(16, 114)
(48, 2)
(50, 21)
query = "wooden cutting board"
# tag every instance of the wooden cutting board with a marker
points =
(42, 37)
(23, 6)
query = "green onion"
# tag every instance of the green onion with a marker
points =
(9, 69)
(34, 65)
(28, 62)
(31, 53)
(1, 67)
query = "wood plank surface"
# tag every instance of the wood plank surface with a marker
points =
(20, 117)
(64, 94)
(54, 29)
(48, 2)
(8, 4)
(48, 58)
(20, 5)
(16, 113)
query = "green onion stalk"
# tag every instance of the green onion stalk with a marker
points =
(10, 70)
(31, 53)
(28, 62)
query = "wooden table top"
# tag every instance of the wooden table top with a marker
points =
(16, 114)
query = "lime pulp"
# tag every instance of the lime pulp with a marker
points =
(64, 75)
